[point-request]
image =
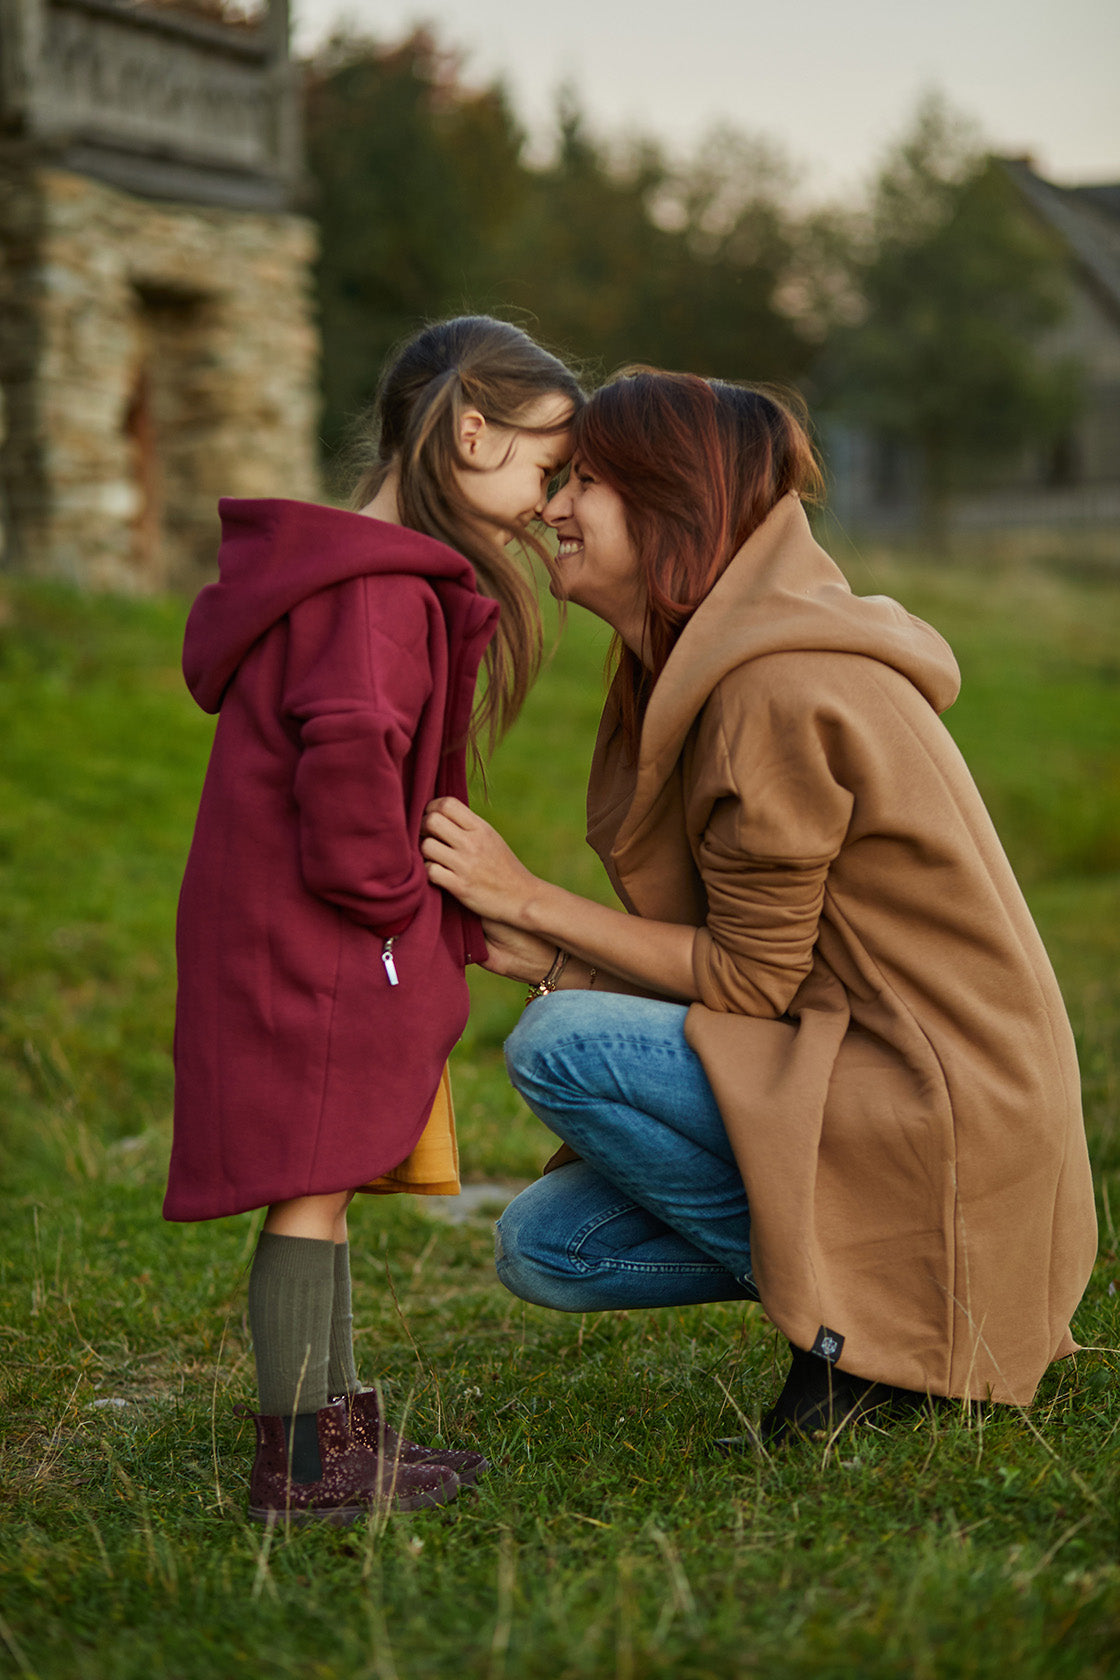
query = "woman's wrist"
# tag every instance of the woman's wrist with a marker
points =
(566, 974)
(579, 976)
(551, 979)
(541, 911)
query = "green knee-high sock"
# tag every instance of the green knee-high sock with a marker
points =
(291, 1295)
(342, 1373)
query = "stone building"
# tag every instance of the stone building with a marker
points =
(157, 340)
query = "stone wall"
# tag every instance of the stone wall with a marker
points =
(162, 356)
(21, 487)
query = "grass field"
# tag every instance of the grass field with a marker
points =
(607, 1541)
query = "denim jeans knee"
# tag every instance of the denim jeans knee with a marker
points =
(525, 1257)
(577, 1243)
(616, 1079)
(537, 1027)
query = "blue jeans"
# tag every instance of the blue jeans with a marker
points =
(654, 1213)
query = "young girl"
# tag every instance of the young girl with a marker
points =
(321, 975)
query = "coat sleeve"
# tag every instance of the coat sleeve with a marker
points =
(358, 677)
(776, 818)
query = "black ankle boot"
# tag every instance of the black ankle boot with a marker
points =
(817, 1399)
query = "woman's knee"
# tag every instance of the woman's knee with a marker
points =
(526, 1256)
(540, 1028)
(581, 1043)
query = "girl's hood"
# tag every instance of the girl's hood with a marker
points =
(275, 553)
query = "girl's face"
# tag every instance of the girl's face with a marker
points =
(508, 470)
(596, 565)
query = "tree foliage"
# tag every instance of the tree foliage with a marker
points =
(427, 206)
(918, 320)
(957, 285)
(415, 179)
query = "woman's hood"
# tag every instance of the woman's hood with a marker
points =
(782, 593)
(274, 554)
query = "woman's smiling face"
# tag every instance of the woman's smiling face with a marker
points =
(596, 566)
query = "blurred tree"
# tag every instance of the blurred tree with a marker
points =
(727, 303)
(416, 177)
(631, 258)
(578, 261)
(426, 207)
(957, 285)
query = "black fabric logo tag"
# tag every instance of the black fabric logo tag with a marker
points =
(828, 1345)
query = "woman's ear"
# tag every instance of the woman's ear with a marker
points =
(472, 431)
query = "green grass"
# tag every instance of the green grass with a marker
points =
(607, 1541)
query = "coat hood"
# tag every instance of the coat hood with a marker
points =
(274, 553)
(781, 593)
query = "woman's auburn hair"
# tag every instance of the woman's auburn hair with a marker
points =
(698, 464)
(471, 361)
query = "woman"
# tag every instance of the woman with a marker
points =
(321, 975)
(822, 1060)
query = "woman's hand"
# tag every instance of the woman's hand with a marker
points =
(470, 860)
(516, 955)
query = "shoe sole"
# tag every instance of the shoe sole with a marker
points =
(342, 1516)
(468, 1476)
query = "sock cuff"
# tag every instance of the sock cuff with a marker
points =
(296, 1258)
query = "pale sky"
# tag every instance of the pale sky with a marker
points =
(833, 82)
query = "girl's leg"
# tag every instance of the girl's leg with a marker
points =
(308, 1226)
(342, 1373)
(614, 1077)
(310, 1463)
(318, 1218)
(291, 1303)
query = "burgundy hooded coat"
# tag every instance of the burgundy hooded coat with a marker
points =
(341, 654)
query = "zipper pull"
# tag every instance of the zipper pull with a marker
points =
(387, 959)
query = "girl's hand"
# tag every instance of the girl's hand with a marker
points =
(470, 860)
(516, 955)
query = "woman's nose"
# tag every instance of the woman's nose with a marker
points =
(559, 506)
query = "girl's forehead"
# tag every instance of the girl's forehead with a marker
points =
(550, 413)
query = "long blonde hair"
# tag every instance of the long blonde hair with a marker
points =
(475, 362)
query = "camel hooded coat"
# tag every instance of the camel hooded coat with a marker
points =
(341, 654)
(878, 1018)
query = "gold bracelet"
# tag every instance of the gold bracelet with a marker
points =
(548, 984)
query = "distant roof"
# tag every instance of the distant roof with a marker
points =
(1088, 221)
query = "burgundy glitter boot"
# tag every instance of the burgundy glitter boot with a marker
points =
(351, 1483)
(369, 1427)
